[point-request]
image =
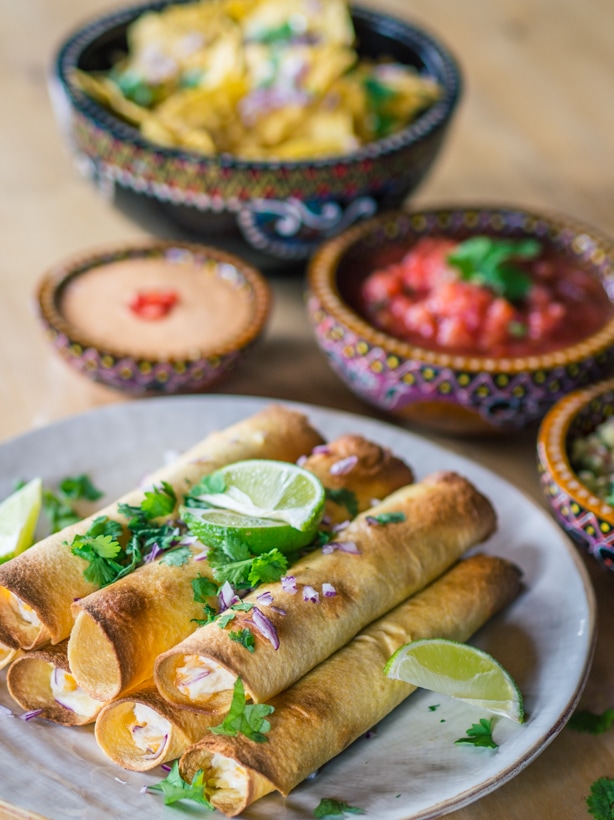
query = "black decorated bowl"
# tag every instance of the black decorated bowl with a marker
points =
(283, 209)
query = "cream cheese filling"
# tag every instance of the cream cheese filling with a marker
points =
(199, 678)
(149, 730)
(226, 774)
(67, 692)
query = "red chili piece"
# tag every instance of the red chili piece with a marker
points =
(153, 304)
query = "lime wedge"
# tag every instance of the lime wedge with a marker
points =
(215, 527)
(275, 490)
(458, 670)
(18, 516)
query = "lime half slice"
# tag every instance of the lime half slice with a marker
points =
(459, 670)
(275, 490)
(18, 517)
(215, 527)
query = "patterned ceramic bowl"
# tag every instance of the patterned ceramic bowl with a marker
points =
(282, 209)
(584, 516)
(460, 394)
(154, 319)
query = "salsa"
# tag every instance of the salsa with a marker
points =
(485, 297)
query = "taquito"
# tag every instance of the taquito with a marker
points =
(41, 680)
(314, 720)
(142, 730)
(121, 629)
(383, 556)
(38, 586)
(7, 655)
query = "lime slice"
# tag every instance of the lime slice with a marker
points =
(214, 527)
(18, 516)
(458, 670)
(276, 490)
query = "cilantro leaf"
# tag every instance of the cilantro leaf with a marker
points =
(98, 546)
(267, 567)
(80, 487)
(208, 485)
(225, 618)
(600, 801)
(176, 557)
(203, 588)
(486, 261)
(480, 734)
(329, 807)
(245, 638)
(243, 718)
(210, 616)
(174, 788)
(159, 502)
(345, 498)
(585, 721)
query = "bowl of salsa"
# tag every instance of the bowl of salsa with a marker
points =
(575, 458)
(466, 319)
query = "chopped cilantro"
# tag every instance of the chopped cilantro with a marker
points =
(159, 502)
(80, 487)
(245, 638)
(486, 261)
(209, 485)
(600, 802)
(58, 507)
(267, 567)
(480, 734)
(176, 557)
(243, 718)
(344, 498)
(210, 616)
(585, 721)
(329, 807)
(174, 788)
(434, 707)
(386, 518)
(99, 547)
(233, 561)
(225, 618)
(244, 606)
(203, 588)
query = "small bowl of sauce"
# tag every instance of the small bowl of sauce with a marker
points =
(156, 318)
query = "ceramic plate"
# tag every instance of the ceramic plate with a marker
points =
(409, 766)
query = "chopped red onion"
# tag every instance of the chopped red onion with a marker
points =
(119, 780)
(143, 789)
(187, 540)
(288, 584)
(371, 733)
(265, 627)
(321, 449)
(341, 526)
(165, 767)
(301, 460)
(325, 521)
(226, 596)
(5, 711)
(372, 521)
(152, 554)
(202, 555)
(311, 594)
(30, 715)
(342, 546)
(265, 598)
(375, 502)
(328, 591)
(279, 610)
(344, 466)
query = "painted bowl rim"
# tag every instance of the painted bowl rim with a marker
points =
(552, 453)
(323, 266)
(434, 118)
(57, 276)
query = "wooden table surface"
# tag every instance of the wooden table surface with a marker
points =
(535, 128)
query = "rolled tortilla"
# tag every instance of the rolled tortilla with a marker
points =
(444, 515)
(7, 655)
(121, 629)
(315, 719)
(41, 679)
(142, 730)
(38, 586)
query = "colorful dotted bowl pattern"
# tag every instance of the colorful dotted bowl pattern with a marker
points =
(153, 375)
(282, 208)
(504, 394)
(587, 519)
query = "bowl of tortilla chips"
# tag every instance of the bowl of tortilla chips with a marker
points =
(283, 121)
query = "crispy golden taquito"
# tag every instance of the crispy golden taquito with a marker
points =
(314, 719)
(142, 730)
(382, 557)
(41, 679)
(38, 586)
(121, 629)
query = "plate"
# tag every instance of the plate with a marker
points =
(408, 768)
